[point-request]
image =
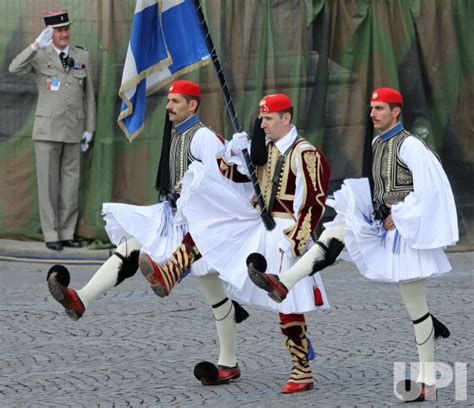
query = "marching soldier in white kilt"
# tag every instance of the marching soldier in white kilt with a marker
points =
(225, 225)
(155, 232)
(396, 234)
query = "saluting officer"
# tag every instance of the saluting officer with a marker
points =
(64, 123)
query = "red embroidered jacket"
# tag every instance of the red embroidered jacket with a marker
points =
(314, 173)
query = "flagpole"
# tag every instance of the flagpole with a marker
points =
(266, 216)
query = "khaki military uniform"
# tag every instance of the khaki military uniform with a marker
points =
(65, 109)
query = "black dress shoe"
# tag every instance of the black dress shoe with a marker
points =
(54, 245)
(71, 243)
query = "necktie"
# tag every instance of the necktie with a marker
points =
(62, 56)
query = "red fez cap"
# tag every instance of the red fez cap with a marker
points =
(387, 95)
(275, 103)
(56, 18)
(184, 87)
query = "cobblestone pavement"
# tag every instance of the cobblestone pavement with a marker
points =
(132, 348)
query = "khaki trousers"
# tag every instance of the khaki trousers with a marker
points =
(58, 172)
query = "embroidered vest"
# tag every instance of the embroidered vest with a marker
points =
(285, 195)
(393, 180)
(180, 154)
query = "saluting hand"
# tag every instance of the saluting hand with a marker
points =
(44, 39)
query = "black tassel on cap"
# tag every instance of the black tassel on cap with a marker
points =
(163, 181)
(258, 151)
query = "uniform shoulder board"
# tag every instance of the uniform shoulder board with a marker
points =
(81, 47)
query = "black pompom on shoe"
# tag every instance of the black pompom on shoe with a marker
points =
(258, 260)
(209, 374)
(62, 274)
(206, 372)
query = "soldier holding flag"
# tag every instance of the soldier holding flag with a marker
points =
(226, 227)
(154, 229)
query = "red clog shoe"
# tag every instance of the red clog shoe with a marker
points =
(159, 280)
(269, 283)
(209, 374)
(411, 391)
(291, 387)
(68, 297)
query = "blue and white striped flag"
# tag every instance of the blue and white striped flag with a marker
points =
(166, 41)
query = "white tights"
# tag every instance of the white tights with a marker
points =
(414, 296)
(304, 266)
(106, 276)
(214, 292)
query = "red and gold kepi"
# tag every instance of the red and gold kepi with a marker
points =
(184, 87)
(56, 18)
(387, 95)
(275, 103)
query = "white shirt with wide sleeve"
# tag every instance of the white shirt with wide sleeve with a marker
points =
(205, 146)
(427, 218)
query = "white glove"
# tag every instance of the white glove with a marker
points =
(44, 39)
(86, 139)
(239, 142)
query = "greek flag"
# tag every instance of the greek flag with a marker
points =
(166, 41)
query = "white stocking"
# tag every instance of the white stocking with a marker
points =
(213, 289)
(304, 266)
(106, 276)
(413, 294)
